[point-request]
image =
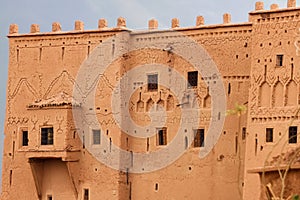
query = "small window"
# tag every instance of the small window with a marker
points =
(162, 136)
(156, 186)
(244, 133)
(47, 136)
(229, 89)
(269, 134)
(152, 82)
(192, 79)
(49, 197)
(279, 60)
(25, 138)
(293, 134)
(86, 194)
(199, 138)
(96, 136)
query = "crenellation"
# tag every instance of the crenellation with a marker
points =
(261, 16)
(226, 18)
(175, 23)
(79, 26)
(34, 28)
(291, 3)
(121, 22)
(13, 29)
(259, 6)
(56, 27)
(152, 24)
(200, 21)
(102, 23)
(257, 61)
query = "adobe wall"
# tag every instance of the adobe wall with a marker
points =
(44, 66)
(274, 91)
(40, 67)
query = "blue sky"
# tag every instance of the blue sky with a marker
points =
(136, 12)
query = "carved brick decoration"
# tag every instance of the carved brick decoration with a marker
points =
(258, 64)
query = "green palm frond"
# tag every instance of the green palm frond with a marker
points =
(238, 110)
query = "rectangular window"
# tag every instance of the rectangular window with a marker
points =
(244, 133)
(86, 194)
(162, 136)
(279, 60)
(25, 138)
(152, 82)
(10, 177)
(192, 79)
(269, 134)
(49, 197)
(292, 134)
(47, 136)
(96, 136)
(199, 138)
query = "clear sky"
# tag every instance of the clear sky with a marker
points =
(136, 12)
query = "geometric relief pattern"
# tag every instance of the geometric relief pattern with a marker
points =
(292, 94)
(278, 95)
(264, 95)
(62, 83)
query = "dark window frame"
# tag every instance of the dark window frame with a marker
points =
(269, 135)
(279, 60)
(86, 194)
(199, 137)
(162, 136)
(152, 82)
(25, 139)
(47, 135)
(293, 134)
(244, 133)
(192, 78)
(96, 133)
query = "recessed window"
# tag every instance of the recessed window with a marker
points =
(96, 136)
(25, 138)
(199, 138)
(192, 79)
(156, 186)
(49, 197)
(269, 134)
(279, 60)
(152, 82)
(162, 136)
(86, 194)
(293, 134)
(244, 133)
(47, 136)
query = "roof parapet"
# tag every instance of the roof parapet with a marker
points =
(121, 22)
(34, 28)
(102, 23)
(259, 5)
(152, 24)
(200, 21)
(291, 3)
(13, 29)
(121, 25)
(175, 23)
(79, 26)
(56, 27)
(226, 18)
